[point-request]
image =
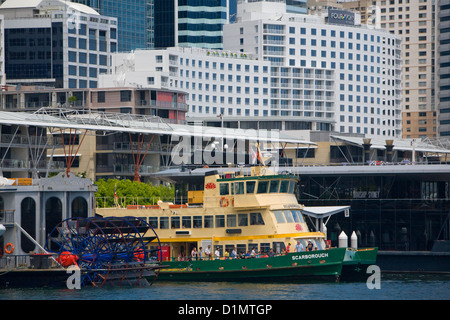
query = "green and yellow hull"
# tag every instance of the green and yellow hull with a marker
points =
(308, 266)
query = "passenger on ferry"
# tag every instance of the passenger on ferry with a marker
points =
(299, 247)
(271, 253)
(200, 253)
(288, 248)
(208, 252)
(310, 246)
(194, 253)
(226, 254)
(233, 253)
(217, 253)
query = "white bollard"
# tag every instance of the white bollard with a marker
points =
(343, 240)
(354, 241)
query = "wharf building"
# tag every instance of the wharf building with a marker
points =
(25, 148)
(56, 43)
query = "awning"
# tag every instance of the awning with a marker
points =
(323, 212)
(399, 144)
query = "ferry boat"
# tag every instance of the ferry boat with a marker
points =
(240, 227)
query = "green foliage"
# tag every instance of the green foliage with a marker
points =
(131, 192)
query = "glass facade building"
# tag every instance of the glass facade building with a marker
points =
(135, 21)
(190, 23)
(65, 45)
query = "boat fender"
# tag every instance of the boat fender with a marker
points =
(9, 248)
(224, 202)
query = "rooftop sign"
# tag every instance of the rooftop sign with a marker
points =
(344, 17)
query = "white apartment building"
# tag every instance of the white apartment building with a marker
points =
(231, 86)
(366, 62)
(280, 71)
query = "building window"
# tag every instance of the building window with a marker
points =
(125, 95)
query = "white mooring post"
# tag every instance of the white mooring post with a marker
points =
(354, 241)
(343, 240)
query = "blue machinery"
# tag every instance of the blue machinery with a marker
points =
(117, 250)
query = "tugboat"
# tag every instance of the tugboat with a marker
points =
(239, 228)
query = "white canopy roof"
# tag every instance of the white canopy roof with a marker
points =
(323, 212)
(35, 4)
(118, 122)
(399, 144)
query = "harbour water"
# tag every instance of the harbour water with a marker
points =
(392, 287)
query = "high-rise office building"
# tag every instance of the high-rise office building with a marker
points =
(135, 21)
(56, 43)
(443, 65)
(190, 23)
(415, 22)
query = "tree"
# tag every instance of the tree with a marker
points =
(131, 192)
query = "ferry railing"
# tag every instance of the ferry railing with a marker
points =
(7, 217)
(27, 261)
(11, 262)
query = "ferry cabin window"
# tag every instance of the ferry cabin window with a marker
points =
(229, 248)
(262, 186)
(288, 216)
(209, 221)
(224, 189)
(153, 221)
(292, 186)
(256, 219)
(264, 247)
(231, 220)
(241, 248)
(284, 186)
(220, 221)
(175, 222)
(164, 223)
(252, 246)
(243, 220)
(279, 216)
(239, 188)
(251, 186)
(274, 186)
(186, 222)
(297, 216)
(197, 221)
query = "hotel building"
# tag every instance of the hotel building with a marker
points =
(366, 62)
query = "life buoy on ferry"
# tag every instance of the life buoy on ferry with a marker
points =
(224, 202)
(9, 248)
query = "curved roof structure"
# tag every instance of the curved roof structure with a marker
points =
(124, 122)
(37, 4)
